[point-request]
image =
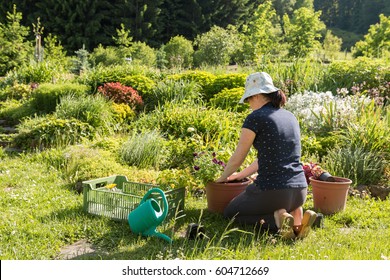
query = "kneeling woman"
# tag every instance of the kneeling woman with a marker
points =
(277, 194)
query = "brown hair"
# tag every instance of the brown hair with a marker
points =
(277, 98)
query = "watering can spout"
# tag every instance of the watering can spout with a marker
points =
(148, 215)
(153, 232)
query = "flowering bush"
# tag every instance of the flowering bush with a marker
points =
(121, 94)
(207, 167)
(319, 111)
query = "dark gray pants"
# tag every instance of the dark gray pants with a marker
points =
(254, 205)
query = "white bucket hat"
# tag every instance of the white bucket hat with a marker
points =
(256, 83)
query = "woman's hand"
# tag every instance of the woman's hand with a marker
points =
(234, 176)
(221, 180)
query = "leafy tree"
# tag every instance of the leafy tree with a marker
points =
(332, 44)
(54, 53)
(216, 46)
(143, 54)
(262, 32)
(106, 56)
(303, 32)
(14, 48)
(179, 52)
(376, 42)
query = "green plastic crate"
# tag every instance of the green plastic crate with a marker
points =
(117, 203)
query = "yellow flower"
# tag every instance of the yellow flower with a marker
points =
(110, 186)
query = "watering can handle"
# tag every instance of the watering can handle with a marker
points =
(164, 199)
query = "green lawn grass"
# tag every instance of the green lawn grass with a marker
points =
(41, 214)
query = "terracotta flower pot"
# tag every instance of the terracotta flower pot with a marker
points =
(220, 194)
(330, 197)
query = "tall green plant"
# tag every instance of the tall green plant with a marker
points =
(357, 164)
(144, 150)
(174, 92)
(363, 150)
(92, 109)
(297, 75)
(371, 131)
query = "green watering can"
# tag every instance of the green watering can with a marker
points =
(148, 215)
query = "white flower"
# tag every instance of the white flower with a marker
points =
(191, 129)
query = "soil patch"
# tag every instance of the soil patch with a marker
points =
(81, 249)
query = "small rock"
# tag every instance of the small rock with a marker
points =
(78, 250)
(380, 192)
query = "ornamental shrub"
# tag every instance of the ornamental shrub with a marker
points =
(142, 84)
(202, 78)
(121, 94)
(183, 120)
(139, 82)
(91, 109)
(47, 96)
(107, 74)
(50, 131)
(14, 110)
(16, 91)
(221, 82)
(79, 163)
(325, 112)
(179, 52)
(142, 54)
(228, 99)
(122, 113)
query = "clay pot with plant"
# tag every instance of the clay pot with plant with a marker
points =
(207, 169)
(329, 192)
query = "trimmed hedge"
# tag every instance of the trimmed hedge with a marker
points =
(47, 96)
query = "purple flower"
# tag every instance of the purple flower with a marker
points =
(196, 168)
(215, 161)
(195, 154)
(214, 154)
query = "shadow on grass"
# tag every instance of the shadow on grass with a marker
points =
(104, 238)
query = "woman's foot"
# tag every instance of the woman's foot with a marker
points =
(308, 220)
(286, 229)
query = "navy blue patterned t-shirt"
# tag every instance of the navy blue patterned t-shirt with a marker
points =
(278, 145)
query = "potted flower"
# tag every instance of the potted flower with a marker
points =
(329, 192)
(207, 169)
(316, 171)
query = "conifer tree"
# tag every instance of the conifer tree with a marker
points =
(14, 48)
